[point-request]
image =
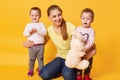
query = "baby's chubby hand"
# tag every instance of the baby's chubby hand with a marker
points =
(33, 30)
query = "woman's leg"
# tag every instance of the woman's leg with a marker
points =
(69, 73)
(52, 69)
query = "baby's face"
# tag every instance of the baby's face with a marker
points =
(34, 16)
(86, 19)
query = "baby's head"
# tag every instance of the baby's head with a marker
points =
(88, 10)
(87, 17)
(35, 14)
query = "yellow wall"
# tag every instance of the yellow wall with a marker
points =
(14, 14)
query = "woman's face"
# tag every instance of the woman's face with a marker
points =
(56, 17)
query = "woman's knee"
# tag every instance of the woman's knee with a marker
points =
(69, 75)
(44, 74)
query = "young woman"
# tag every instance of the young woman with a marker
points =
(60, 34)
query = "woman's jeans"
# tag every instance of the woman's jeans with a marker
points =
(56, 67)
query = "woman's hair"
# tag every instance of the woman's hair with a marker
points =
(88, 10)
(63, 24)
(36, 8)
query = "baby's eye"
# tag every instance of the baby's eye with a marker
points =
(88, 19)
(59, 14)
(54, 16)
(37, 15)
(83, 18)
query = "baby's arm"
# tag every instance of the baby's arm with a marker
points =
(29, 30)
(26, 31)
(90, 47)
(90, 42)
(90, 53)
(42, 30)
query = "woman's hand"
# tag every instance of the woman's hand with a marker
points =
(28, 44)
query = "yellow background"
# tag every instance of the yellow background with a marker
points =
(14, 15)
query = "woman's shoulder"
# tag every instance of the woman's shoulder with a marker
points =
(50, 27)
(69, 23)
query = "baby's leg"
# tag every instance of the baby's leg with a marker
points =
(90, 53)
(89, 56)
